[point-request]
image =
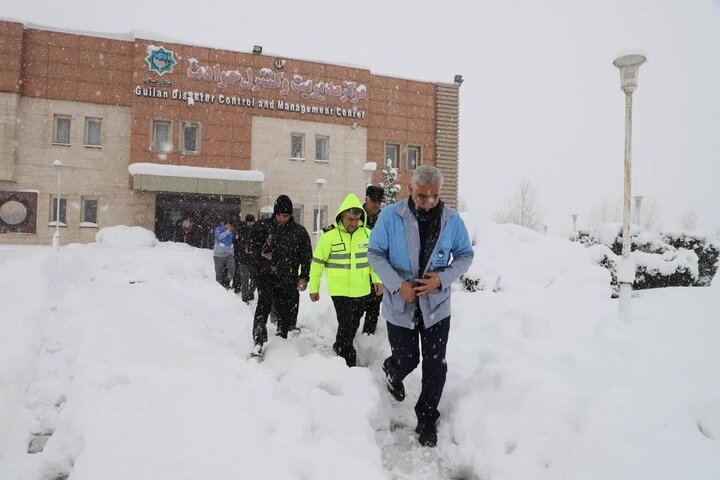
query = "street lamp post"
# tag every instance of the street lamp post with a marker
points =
(319, 182)
(629, 66)
(369, 168)
(638, 203)
(56, 236)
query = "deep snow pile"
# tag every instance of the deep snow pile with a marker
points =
(131, 362)
(516, 259)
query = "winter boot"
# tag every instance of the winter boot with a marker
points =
(428, 435)
(396, 389)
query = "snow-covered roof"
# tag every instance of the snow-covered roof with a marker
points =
(147, 35)
(195, 172)
(128, 37)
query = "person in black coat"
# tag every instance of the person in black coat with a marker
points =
(244, 282)
(373, 204)
(282, 254)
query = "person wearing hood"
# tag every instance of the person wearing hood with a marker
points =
(342, 252)
(281, 250)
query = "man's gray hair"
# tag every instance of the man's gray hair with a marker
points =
(427, 175)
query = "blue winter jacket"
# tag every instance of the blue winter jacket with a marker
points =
(223, 242)
(394, 255)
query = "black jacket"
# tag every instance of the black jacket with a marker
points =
(243, 240)
(290, 248)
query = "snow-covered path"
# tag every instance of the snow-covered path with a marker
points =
(139, 354)
(132, 362)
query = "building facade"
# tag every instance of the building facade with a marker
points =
(149, 132)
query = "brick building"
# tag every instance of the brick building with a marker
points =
(150, 130)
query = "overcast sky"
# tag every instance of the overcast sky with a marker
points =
(541, 100)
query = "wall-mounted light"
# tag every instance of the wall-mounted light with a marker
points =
(257, 49)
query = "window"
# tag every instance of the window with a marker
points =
(190, 137)
(89, 211)
(298, 213)
(161, 141)
(53, 211)
(297, 146)
(392, 154)
(322, 143)
(93, 126)
(62, 130)
(413, 157)
(323, 218)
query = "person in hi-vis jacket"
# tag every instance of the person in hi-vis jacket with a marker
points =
(342, 254)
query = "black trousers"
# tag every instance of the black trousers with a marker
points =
(348, 311)
(284, 300)
(405, 356)
(372, 311)
(244, 281)
(236, 278)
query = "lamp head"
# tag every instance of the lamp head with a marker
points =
(629, 65)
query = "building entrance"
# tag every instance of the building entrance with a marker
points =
(192, 218)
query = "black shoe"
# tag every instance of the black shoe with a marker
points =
(257, 350)
(428, 435)
(396, 389)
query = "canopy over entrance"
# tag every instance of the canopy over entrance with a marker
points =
(153, 177)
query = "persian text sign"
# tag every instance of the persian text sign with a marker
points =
(268, 79)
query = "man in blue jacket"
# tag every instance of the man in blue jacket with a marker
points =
(223, 253)
(418, 248)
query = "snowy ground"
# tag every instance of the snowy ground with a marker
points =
(130, 362)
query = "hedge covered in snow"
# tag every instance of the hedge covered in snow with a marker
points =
(667, 259)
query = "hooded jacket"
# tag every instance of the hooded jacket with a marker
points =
(343, 256)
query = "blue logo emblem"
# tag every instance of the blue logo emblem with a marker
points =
(159, 60)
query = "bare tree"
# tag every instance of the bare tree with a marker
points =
(649, 215)
(522, 208)
(689, 220)
(606, 212)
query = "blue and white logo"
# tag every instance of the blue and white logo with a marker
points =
(159, 60)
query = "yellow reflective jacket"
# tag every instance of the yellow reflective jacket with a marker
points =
(343, 256)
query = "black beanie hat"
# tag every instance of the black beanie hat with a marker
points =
(283, 204)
